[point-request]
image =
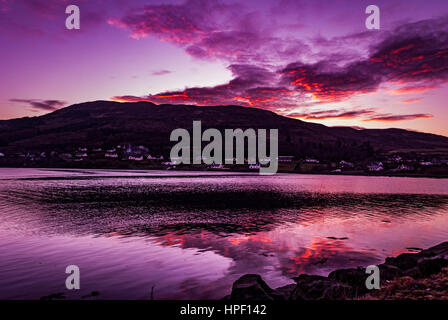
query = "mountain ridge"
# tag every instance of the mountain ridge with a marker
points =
(108, 123)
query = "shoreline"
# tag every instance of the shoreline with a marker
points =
(421, 275)
(236, 172)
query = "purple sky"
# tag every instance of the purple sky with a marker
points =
(312, 60)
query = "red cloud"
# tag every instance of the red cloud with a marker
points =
(413, 89)
(169, 22)
(331, 85)
(414, 55)
(250, 87)
(413, 100)
(357, 114)
(360, 114)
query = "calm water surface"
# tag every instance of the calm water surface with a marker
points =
(186, 235)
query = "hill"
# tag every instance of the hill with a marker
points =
(107, 123)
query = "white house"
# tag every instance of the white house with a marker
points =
(150, 157)
(135, 158)
(346, 164)
(111, 155)
(143, 148)
(264, 160)
(403, 167)
(216, 166)
(66, 155)
(170, 163)
(396, 158)
(285, 158)
(376, 166)
(81, 155)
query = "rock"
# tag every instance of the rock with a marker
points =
(431, 266)
(413, 273)
(355, 278)
(389, 272)
(286, 291)
(92, 294)
(252, 287)
(405, 282)
(320, 288)
(438, 251)
(422, 264)
(404, 261)
(54, 296)
(405, 269)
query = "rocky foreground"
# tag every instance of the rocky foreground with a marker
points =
(422, 275)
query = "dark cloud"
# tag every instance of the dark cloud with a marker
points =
(213, 30)
(360, 114)
(415, 55)
(169, 22)
(270, 72)
(180, 24)
(328, 84)
(46, 105)
(418, 52)
(160, 72)
(400, 117)
(18, 17)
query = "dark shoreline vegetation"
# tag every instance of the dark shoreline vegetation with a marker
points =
(409, 276)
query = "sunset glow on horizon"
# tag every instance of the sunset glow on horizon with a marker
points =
(310, 60)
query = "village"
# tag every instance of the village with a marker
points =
(128, 156)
